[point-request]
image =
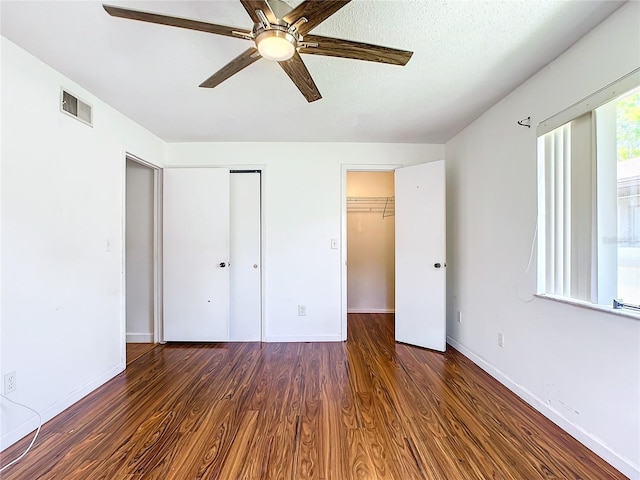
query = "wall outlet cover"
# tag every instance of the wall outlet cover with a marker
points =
(10, 382)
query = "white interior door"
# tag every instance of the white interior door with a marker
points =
(420, 255)
(245, 267)
(196, 254)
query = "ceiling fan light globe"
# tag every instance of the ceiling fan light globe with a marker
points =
(276, 45)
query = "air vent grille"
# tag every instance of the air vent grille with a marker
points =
(73, 106)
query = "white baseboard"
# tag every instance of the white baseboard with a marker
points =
(303, 338)
(584, 437)
(139, 337)
(371, 310)
(28, 426)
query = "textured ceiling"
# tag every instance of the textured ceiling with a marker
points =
(468, 55)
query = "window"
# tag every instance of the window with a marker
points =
(589, 199)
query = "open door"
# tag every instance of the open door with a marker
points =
(420, 255)
(196, 254)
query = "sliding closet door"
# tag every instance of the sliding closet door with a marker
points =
(196, 254)
(245, 304)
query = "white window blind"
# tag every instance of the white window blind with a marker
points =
(567, 203)
(583, 253)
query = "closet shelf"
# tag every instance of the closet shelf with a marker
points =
(384, 205)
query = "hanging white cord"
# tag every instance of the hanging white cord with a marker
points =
(533, 246)
(34, 437)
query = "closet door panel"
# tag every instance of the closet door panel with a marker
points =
(196, 254)
(245, 270)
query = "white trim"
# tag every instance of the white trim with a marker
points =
(22, 430)
(593, 101)
(584, 437)
(591, 306)
(263, 250)
(123, 261)
(344, 168)
(158, 332)
(140, 338)
(139, 160)
(303, 338)
(371, 310)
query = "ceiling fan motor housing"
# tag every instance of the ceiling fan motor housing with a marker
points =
(275, 40)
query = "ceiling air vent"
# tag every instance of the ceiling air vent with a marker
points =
(72, 105)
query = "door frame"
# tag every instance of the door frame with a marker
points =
(157, 250)
(262, 168)
(343, 231)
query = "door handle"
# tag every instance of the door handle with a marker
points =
(437, 265)
(222, 264)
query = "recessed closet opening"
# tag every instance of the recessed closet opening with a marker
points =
(370, 242)
(141, 257)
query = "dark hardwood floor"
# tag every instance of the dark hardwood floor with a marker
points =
(364, 409)
(136, 350)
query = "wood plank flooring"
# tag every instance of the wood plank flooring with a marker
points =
(136, 350)
(365, 409)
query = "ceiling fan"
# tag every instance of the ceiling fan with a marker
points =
(280, 34)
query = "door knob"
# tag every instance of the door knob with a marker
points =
(255, 265)
(437, 265)
(222, 264)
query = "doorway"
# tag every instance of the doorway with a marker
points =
(141, 257)
(212, 254)
(420, 262)
(370, 242)
(344, 239)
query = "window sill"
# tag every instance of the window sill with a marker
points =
(591, 306)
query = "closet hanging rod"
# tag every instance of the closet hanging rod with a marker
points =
(353, 200)
(385, 205)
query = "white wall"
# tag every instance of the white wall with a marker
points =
(578, 366)
(139, 252)
(371, 246)
(62, 240)
(302, 213)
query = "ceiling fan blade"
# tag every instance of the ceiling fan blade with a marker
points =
(335, 47)
(176, 22)
(243, 60)
(298, 73)
(252, 5)
(315, 12)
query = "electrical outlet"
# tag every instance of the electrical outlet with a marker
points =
(459, 316)
(10, 384)
(500, 339)
(302, 310)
